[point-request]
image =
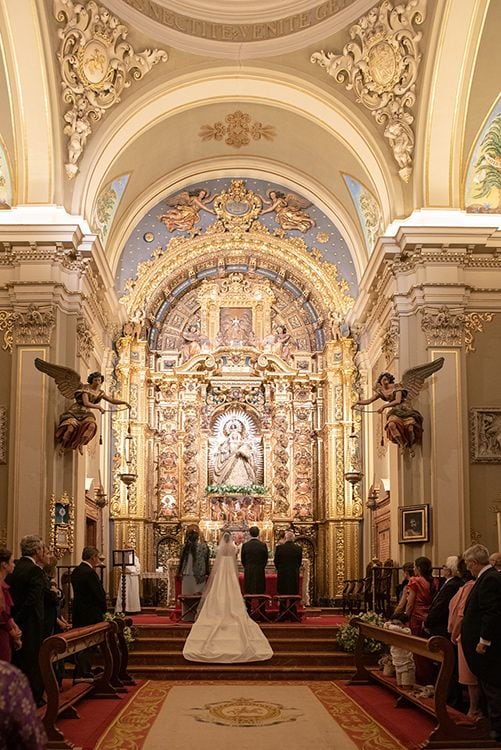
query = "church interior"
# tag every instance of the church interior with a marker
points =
(271, 231)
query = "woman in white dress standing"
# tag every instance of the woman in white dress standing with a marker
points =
(223, 632)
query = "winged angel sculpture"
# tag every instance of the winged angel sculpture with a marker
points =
(404, 425)
(288, 208)
(77, 425)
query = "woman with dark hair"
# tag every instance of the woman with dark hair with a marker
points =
(419, 594)
(193, 566)
(10, 634)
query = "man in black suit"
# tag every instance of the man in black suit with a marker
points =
(89, 604)
(288, 558)
(27, 588)
(254, 556)
(481, 631)
(454, 571)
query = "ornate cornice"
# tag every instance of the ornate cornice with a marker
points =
(33, 325)
(382, 69)
(67, 256)
(97, 64)
(443, 326)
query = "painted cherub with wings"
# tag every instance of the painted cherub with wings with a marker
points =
(77, 425)
(185, 210)
(289, 213)
(404, 425)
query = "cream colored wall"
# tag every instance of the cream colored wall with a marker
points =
(483, 368)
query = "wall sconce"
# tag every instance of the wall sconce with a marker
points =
(354, 476)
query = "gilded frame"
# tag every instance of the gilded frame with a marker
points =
(62, 521)
(414, 524)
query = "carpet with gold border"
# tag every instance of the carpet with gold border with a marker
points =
(244, 716)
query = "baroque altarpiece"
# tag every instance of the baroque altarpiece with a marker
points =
(241, 381)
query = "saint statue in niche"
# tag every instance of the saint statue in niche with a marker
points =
(236, 452)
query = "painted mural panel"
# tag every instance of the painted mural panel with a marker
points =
(483, 181)
(5, 179)
(107, 205)
(368, 210)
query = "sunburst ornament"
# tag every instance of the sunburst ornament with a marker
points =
(235, 450)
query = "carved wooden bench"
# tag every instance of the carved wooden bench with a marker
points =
(453, 730)
(107, 683)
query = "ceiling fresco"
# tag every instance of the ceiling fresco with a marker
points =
(320, 234)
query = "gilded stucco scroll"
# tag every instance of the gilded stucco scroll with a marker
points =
(382, 68)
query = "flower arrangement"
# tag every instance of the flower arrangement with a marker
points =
(347, 635)
(130, 631)
(236, 489)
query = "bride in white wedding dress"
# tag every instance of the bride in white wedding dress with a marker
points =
(223, 632)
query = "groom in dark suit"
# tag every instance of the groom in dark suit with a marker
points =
(481, 631)
(254, 556)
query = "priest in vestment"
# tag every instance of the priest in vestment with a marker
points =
(132, 602)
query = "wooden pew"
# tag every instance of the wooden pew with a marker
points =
(453, 730)
(106, 685)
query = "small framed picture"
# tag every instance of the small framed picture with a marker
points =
(123, 557)
(61, 524)
(414, 524)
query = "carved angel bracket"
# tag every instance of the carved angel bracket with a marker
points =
(382, 68)
(97, 64)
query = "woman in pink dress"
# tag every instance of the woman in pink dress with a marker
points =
(466, 676)
(10, 635)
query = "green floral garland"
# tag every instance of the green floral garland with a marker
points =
(236, 489)
(130, 632)
(347, 635)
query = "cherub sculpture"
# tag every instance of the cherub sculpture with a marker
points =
(404, 425)
(184, 210)
(288, 210)
(77, 425)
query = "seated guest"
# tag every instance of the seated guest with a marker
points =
(27, 586)
(402, 658)
(20, 726)
(10, 634)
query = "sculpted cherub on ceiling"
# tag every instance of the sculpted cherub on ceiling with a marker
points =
(225, 205)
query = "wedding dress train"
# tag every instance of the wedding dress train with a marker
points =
(223, 632)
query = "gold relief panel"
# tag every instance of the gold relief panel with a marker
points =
(237, 130)
(6, 324)
(3, 435)
(62, 524)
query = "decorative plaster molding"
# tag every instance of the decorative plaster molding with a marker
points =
(389, 345)
(382, 68)
(3, 435)
(237, 130)
(97, 64)
(443, 327)
(474, 324)
(85, 341)
(33, 325)
(6, 317)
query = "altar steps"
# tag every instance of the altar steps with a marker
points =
(299, 653)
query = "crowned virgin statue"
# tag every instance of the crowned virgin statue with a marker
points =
(235, 460)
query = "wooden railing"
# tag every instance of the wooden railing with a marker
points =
(453, 729)
(108, 684)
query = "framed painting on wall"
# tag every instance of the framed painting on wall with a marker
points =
(414, 524)
(485, 435)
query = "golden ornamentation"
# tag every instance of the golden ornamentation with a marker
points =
(382, 69)
(62, 524)
(238, 131)
(474, 324)
(33, 325)
(237, 209)
(245, 712)
(3, 435)
(322, 237)
(97, 64)
(6, 319)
